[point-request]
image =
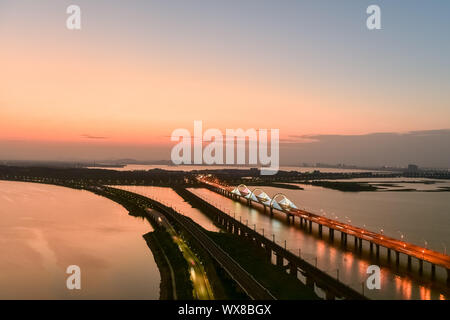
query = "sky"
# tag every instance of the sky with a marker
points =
(137, 70)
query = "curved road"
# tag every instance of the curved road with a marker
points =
(249, 284)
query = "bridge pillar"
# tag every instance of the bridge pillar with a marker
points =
(279, 259)
(371, 248)
(301, 222)
(356, 243)
(360, 244)
(420, 266)
(345, 240)
(409, 262)
(331, 234)
(288, 217)
(293, 269)
(229, 226)
(320, 230)
(433, 271)
(309, 282)
(236, 229)
(389, 254)
(268, 253)
(397, 258)
(310, 226)
(378, 251)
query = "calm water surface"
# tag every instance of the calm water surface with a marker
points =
(418, 215)
(44, 229)
(169, 197)
(393, 211)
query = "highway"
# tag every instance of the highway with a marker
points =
(247, 283)
(200, 281)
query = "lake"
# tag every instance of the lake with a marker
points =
(45, 228)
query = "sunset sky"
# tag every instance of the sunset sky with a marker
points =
(140, 69)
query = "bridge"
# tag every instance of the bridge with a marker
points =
(281, 203)
(314, 277)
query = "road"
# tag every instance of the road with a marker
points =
(249, 284)
(200, 281)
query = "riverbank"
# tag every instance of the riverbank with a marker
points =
(274, 278)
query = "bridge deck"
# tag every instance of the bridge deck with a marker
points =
(409, 249)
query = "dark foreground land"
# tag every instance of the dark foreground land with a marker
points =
(233, 177)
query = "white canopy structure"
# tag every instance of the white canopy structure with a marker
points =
(279, 201)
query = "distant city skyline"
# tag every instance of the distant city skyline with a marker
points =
(430, 149)
(137, 70)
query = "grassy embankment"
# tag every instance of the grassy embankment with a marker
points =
(274, 278)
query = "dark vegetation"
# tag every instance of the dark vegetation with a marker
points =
(164, 245)
(165, 287)
(343, 185)
(282, 285)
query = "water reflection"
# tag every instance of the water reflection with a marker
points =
(44, 229)
(169, 197)
(330, 258)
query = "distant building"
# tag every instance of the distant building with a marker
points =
(413, 168)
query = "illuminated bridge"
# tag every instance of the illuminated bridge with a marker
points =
(282, 204)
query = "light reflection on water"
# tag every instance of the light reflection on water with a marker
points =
(352, 268)
(44, 229)
(169, 197)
